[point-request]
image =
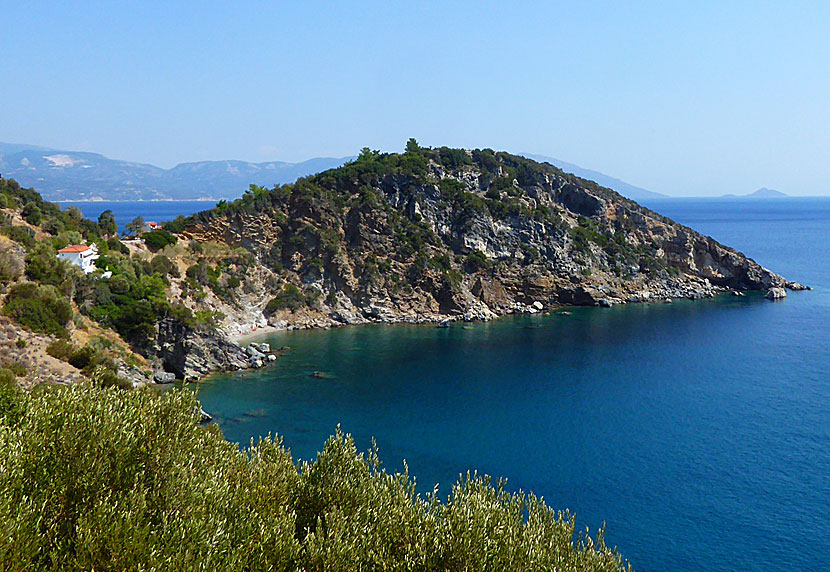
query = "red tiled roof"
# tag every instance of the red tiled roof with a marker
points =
(75, 248)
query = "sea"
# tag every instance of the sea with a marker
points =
(125, 211)
(697, 432)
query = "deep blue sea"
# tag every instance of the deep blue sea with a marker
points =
(125, 212)
(699, 432)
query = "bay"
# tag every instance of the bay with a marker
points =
(699, 432)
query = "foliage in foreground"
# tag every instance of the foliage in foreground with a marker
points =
(108, 480)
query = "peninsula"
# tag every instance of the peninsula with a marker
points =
(426, 235)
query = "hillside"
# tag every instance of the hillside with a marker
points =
(422, 236)
(436, 233)
(73, 175)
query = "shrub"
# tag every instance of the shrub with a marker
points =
(39, 308)
(31, 214)
(11, 264)
(291, 297)
(83, 357)
(19, 234)
(164, 266)
(61, 349)
(476, 260)
(106, 480)
(11, 399)
(42, 265)
(17, 368)
(157, 239)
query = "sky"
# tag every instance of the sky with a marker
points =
(693, 98)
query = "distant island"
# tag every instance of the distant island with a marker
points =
(762, 193)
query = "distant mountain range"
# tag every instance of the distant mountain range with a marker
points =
(625, 189)
(762, 193)
(73, 175)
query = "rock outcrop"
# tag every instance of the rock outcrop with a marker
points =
(192, 354)
(445, 233)
(776, 294)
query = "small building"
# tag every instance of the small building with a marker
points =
(150, 225)
(80, 255)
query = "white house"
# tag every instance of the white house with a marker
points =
(80, 255)
(150, 225)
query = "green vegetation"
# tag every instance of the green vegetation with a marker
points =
(94, 479)
(291, 298)
(107, 224)
(155, 240)
(345, 214)
(39, 308)
(11, 266)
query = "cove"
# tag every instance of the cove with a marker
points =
(698, 431)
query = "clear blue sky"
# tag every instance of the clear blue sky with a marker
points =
(700, 98)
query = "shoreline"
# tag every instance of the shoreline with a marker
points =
(247, 337)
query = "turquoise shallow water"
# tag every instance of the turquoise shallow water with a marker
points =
(698, 431)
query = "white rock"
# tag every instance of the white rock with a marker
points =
(776, 294)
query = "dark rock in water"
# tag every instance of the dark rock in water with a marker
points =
(254, 413)
(776, 294)
(444, 323)
(563, 313)
(605, 303)
(796, 286)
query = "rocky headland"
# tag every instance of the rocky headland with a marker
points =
(436, 234)
(428, 235)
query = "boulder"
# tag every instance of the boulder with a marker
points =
(605, 303)
(164, 377)
(253, 351)
(538, 305)
(272, 357)
(776, 293)
(797, 286)
(264, 348)
(131, 374)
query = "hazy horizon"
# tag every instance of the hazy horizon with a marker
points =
(703, 100)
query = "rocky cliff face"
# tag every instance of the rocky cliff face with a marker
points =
(191, 354)
(431, 234)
